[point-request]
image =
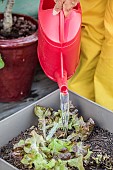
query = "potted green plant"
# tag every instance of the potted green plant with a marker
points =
(18, 54)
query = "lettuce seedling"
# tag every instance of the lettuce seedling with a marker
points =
(50, 151)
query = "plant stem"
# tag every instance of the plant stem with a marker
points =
(7, 22)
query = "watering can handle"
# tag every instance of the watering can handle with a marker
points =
(62, 20)
(61, 26)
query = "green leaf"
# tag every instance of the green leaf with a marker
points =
(26, 160)
(73, 136)
(42, 113)
(40, 163)
(52, 131)
(83, 129)
(88, 155)
(48, 112)
(2, 64)
(38, 138)
(70, 125)
(51, 164)
(56, 145)
(36, 159)
(77, 163)
(45, 150)
(20, 144)
(33, 142)
(60, 165)
(39, 111)
(69, 146)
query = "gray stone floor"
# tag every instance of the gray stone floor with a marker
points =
(41, 87)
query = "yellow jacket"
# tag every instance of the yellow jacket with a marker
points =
(93, 78)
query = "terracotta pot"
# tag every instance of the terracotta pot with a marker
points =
(20, 57)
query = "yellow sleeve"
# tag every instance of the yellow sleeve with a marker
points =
(92, 37)
(103, 80)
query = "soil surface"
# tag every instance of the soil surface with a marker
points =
(21, 28)
(101, 142)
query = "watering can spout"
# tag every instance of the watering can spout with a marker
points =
(61, 78)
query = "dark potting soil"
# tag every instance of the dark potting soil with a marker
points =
(101, 142)
(21, 28)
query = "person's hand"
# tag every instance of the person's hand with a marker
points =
(65, 5)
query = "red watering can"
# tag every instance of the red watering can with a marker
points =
(58, 42)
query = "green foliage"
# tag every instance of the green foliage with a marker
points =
(52, 131)
(57, 145)
(2, 64)
(60, 165)
(77, 162)
(50, 151)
